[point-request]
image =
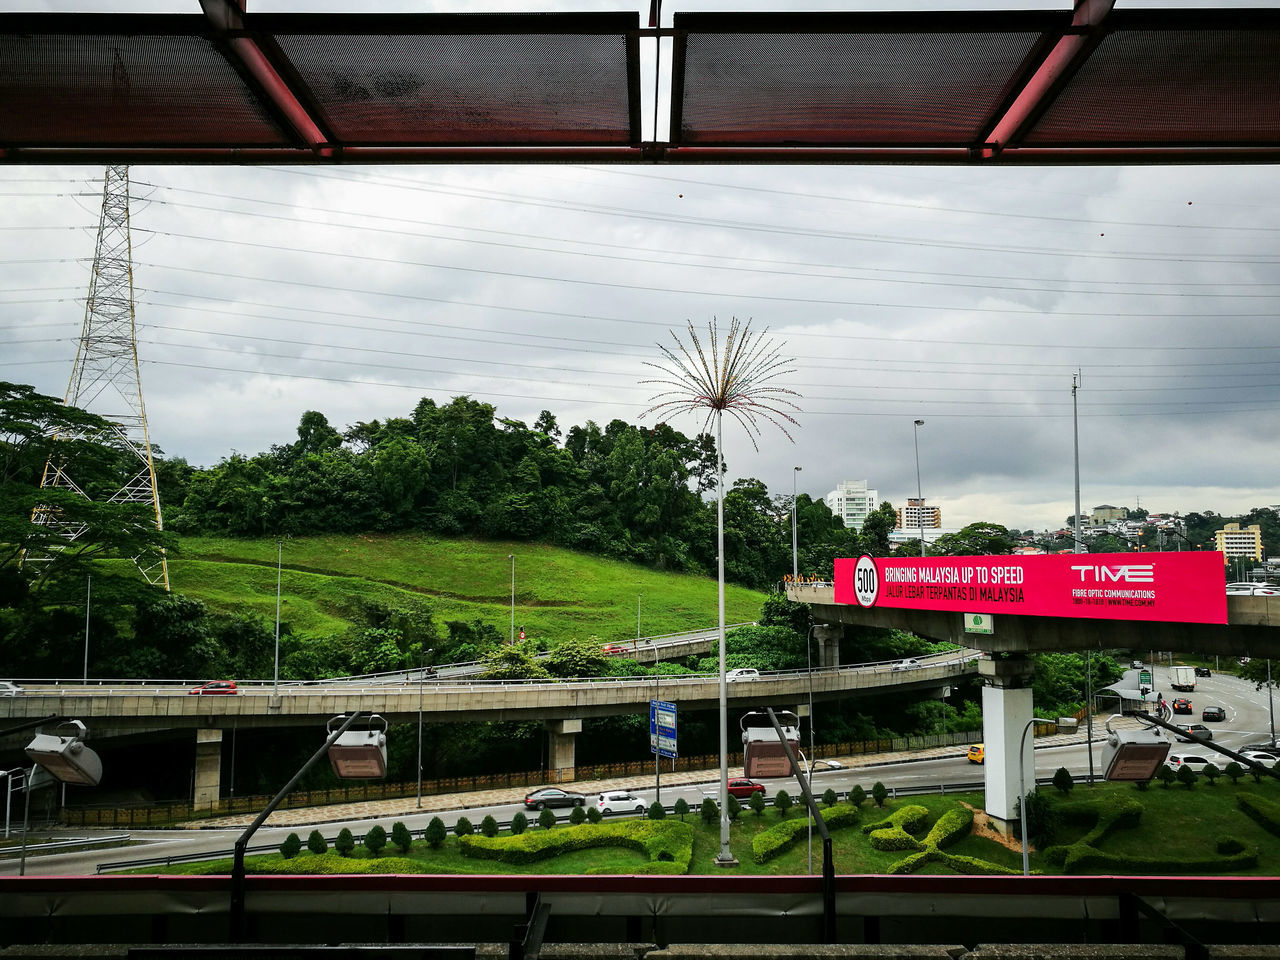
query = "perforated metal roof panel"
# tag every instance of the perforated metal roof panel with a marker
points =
(466, 78)
(1186, 77)
(934, 79)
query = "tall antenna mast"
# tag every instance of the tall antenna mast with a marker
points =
(105, 379)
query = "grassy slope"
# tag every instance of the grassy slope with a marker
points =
(559, 593)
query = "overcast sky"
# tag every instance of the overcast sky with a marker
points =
(964, 297)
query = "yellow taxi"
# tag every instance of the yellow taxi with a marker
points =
(977, 754)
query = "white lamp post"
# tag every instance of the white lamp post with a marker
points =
(512, 558)
(795, 555)
(275, 683)
(88, 595)
(919, 495)
(1022, 788)
(422, 670)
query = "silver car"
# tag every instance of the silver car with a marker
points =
(10, 689)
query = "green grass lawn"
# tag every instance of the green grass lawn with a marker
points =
(559, 593)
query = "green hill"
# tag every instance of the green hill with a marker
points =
(559, 594)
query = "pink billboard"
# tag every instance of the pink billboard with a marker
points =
(1179, 587)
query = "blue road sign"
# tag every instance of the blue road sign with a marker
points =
(662, 728)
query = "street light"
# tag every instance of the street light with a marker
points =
(808, 655)
(1022, 779)
(512, 558)
(88, 595)
(919, 495)
(421, 673)
(795, 556)
(275, 683)
(65, 758)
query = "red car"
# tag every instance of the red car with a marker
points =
(612, 648)
(1182, 705)
(742, 788)
(214, 687)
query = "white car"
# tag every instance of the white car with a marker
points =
(618, 801)
(10, 689)
(1263, 757)
(1192, 760)
(742, 673)
(911, 663)
(828, 765)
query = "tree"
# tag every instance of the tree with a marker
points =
(519, 823)
(546, 819)
(709, 811)
(1212, 773)
(375, 839)
(401, 837)
(463, 827)
(657, 811)
(782, 800)
(681, 808)
(1062, 780)
(315, 842)
(489, 826)
(756, 803)
(578, 816)
(1233, 772)
(290, 847)
(878, 793)
(977, 539)
(512, 662)
(1186, 776)
(594, 814)
(345, 842)
(577, 658)
(435, 833)
(829, 798)
(1166, 775)
(735, 807)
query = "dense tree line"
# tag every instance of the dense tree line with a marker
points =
(628, 492)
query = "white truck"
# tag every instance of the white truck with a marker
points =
(1182, 678)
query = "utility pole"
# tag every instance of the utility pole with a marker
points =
(105, 380)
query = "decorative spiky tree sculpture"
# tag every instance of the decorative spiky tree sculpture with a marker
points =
(736, 377)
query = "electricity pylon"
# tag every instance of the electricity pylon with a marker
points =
(105, 379)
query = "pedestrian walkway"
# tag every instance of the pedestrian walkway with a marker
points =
(408, 806)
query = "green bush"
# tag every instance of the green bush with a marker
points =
(345, 842)
(857, 795)
(1264, 812)
(779, 838)
(375, 839)
(520, 823)
(952, 827)
(894, 833)
(657, 811)
(681, 808)
(316, 844)
(757, 803)
(577, 816)
(709, 811)
(546, 819)
(489, 826)
(878, 793)
(782, 800)
(1186, 776)
(594, 814)
(291, 846)
(1063, 782)
(1166, 775)
(668, 844)
(1233, 772)
(401, 837)
(463, 827)
(1042, 819)
(1211, 773)
(734, 808)
(435, 833)
(829, 798)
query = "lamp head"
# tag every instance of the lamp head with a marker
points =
(919, 423)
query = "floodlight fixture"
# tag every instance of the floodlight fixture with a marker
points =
(360, 754)
(1133, 755)
(67, 757)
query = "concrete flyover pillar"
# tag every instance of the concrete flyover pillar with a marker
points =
(1006, 710)
(208, 784)
(562, 735)
(828, 637)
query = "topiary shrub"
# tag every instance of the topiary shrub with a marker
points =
(782, 800)
(291, 846)
(594, 814)
(878, 793)
(463, 827)
(1211, 773)
(1186, 776)
(757, 803)
(520, 823)
(546, 819)
(1142, 785)
(1233, 772)
(857, 795)
(681, 808)
(657, 811)
(779, 838)
(435, 833)
(316, 844)
(401, 837)
(577, 816)
(375, 839)
(829, 798)
(709, 811)
(345, 842)
(489, 826)
(1166, 775)
(1063, 782)
(734, 808)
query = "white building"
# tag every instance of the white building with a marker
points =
(851, 501)
(918, 513)
(1235, 541)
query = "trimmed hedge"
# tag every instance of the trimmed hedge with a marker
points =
(1265, 812)
(779, 838)
(952, 827)
(894, 833)
(667, 843)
